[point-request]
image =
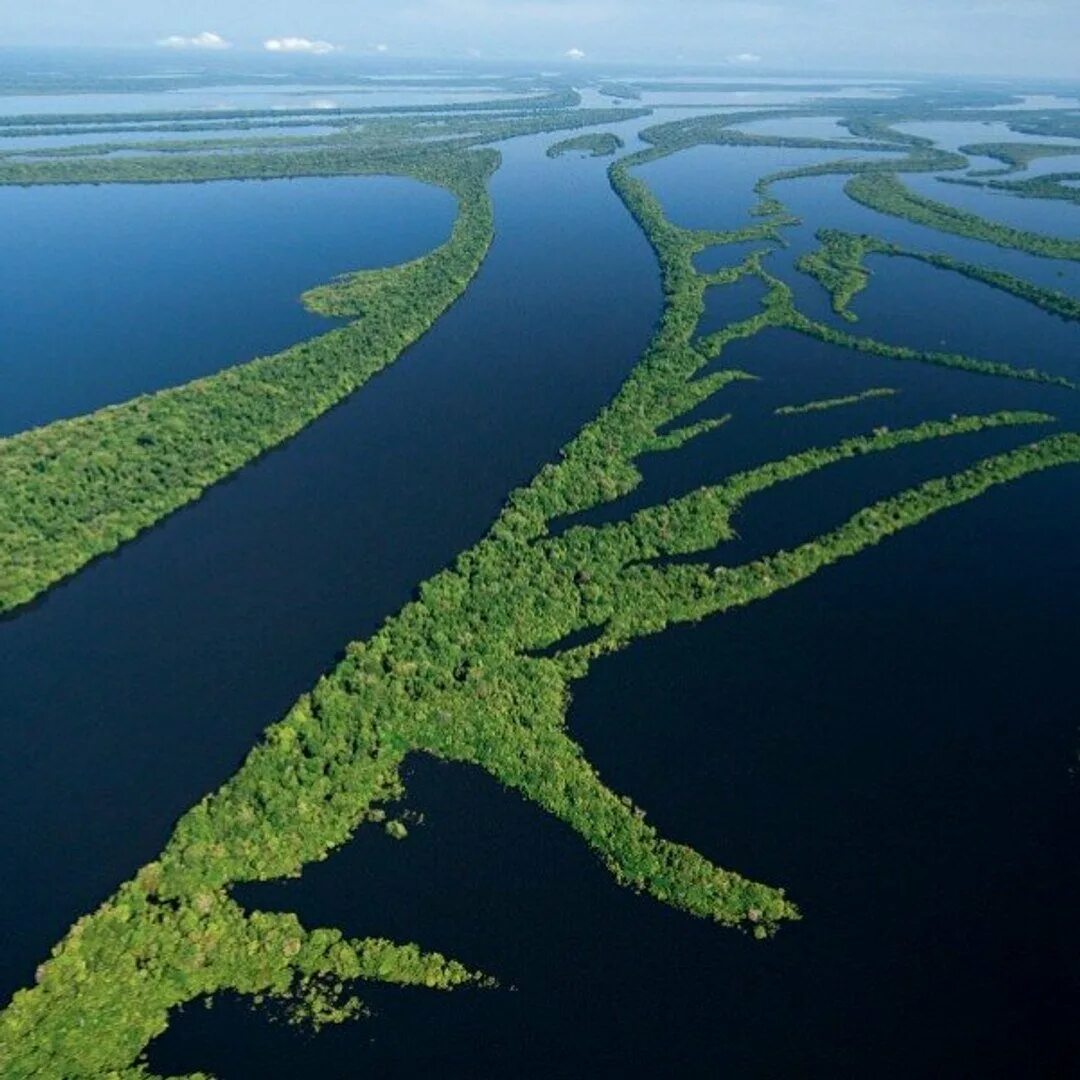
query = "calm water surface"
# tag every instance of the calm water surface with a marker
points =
(115, 290)
(1051, 217)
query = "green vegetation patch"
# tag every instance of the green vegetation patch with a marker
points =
(885, 193)
(839, 266)
(627, 91)
(836, 402)
(20, 125)
(1050, 186)
(599, 144)
(76, 489)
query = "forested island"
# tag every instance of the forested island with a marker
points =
(601, 144)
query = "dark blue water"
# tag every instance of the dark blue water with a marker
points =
(724, 255)
(893, 740)
(791, 369)
(929, 840)
(712, 187)
(732, 302)
(1050, 217)
(914, 303)
(111, 291)
(138, 686)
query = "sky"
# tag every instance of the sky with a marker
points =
(977, 37)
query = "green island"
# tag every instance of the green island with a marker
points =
(391, 149)
(478, 669)
(835, 402)
(78, 488)
(594, 144)
(779, 307)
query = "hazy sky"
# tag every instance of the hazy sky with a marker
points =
(1021, 37)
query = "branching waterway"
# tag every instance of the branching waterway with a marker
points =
(800, 581)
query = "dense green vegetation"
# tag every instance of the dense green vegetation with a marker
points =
(839, 265)
(478, 669)
(380, 133)
(780, 309)
(1058, 123)
(836, 402)
(725, 130)
(374, 133)
(453, 676)
(885, 193)
(493, 124)
(595, 144)
(76, 489)
(456, 675)
(330, 159)
(959, 361)
(1051, 186)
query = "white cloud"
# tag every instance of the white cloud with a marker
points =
(206, 40)
(298, 45)
(575, 54)
(382, 47)
(744, 58)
